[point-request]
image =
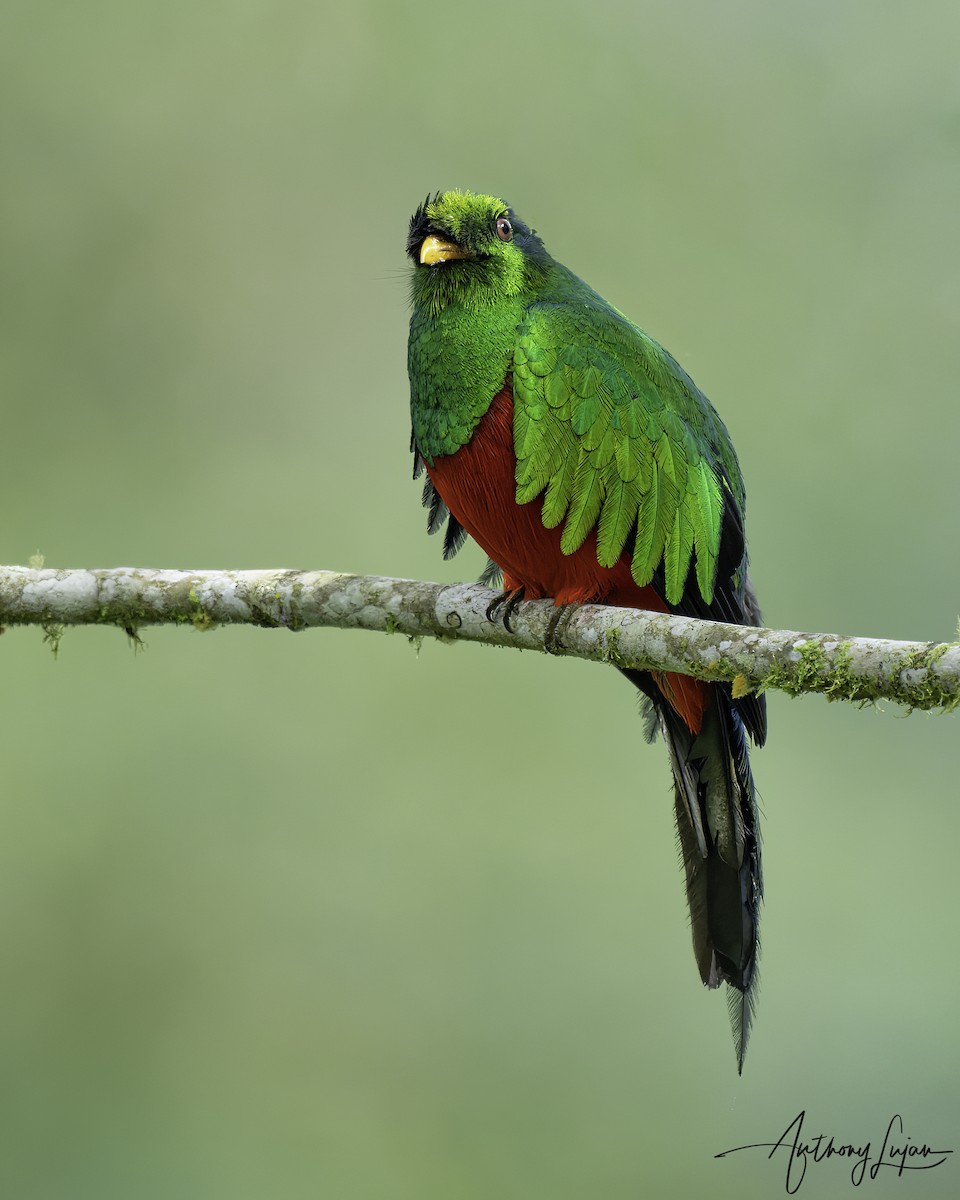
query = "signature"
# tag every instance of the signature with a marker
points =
(894, 1152)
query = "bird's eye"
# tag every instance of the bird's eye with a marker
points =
(504, 229)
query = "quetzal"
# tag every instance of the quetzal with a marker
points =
(587, 464)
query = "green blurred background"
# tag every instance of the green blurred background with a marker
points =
(326, 916)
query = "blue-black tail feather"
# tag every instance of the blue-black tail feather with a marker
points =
(719, 841)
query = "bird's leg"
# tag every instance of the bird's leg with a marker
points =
(559, 620)
(508, 600)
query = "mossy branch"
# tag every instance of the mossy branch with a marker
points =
(916, 674)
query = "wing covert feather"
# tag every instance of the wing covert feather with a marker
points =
(616, 437)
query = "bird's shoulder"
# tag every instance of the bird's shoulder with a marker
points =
(570, 324)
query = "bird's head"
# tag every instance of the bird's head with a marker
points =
(471, 250)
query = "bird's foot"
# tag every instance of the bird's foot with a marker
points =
(559, 620)
(508, 601)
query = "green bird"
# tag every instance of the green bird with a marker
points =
(590, 468)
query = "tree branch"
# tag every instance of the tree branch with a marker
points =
(917, 674)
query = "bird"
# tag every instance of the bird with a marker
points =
(588, 466)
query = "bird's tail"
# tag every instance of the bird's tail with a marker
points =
(719, 839)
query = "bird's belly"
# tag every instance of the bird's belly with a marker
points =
(478, 485)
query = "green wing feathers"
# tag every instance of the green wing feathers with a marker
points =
(617, 438)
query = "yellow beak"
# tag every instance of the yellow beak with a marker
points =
(435, 250)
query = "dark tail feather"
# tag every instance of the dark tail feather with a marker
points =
(719, 841)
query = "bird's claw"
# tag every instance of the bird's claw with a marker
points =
(508, 601)
(559, 620)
